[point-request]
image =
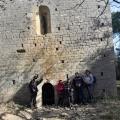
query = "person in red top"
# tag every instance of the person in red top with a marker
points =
(60, 92)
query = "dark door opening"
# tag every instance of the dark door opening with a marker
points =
(48, 94)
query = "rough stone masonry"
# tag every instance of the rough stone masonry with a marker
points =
(54, 38)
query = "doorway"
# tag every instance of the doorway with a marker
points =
(48, 94)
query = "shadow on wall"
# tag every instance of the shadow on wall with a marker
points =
(101, 64)
(22, 97)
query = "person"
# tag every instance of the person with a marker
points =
(60, 92)
(67, 94)
(33, 90)
(89, 79)
(78, 89)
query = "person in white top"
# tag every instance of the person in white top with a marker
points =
(88, 80)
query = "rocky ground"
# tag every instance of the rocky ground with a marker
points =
(102, 110)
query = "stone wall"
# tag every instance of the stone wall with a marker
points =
(80, 38)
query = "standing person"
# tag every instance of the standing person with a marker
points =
(89, 81)
(78, 89)
(33, 90)
(60, 92)
(67, 93)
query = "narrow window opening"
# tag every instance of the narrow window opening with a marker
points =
(60, 42)
(104, 55)
(13, 82)
(45, 21)
(55, 9)
(101, 73)
(28, 27)
(22, 45)
(62, 61)
(58, 28)
(35, 44)
(34, 60)
(98, 6)
(102, 24)
(57, 49)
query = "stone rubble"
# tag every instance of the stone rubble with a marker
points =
(97, 111)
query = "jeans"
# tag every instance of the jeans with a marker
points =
(79, 95)
(90, 92)
(33, 100)
(60, 98)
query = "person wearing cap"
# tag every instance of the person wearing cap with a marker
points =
(33, 90)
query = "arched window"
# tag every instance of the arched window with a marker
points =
(45, 22)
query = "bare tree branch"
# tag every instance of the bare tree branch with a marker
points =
(77, 5)
(106, 4)
(116, 1)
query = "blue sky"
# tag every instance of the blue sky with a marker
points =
(116, 41)
(114, 6)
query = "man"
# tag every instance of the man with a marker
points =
(89, 80)
(33, 90)
(78, 89)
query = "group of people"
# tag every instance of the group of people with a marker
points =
(79, 90)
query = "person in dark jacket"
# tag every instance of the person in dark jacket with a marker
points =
(67, 93)
(33, 90)
(78, 89)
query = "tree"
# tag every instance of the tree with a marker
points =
(116, 1)
(116, 22)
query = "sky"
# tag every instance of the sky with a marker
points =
(116, 41)
(114, 6)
